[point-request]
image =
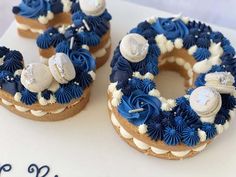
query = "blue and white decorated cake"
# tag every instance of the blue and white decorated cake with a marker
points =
(172, 128)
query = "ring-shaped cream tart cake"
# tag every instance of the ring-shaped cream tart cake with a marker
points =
(172, 128)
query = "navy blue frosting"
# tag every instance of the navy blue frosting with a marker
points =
(139, 99)
(13, 61)
(180, 124)
(32, 8)
(44, 41)
(46, 94)
(57, 38)
(56, 6)
(63, 47)
(83, 60)
(171, 28)
(155, 129)
(190, 136)
(98, 24)
(201, 54)
(76, 90)
(8, 82)
(209, 129)
(172, 136)
(3, 51)
(64, 94)
(84, 79)
(28, 97)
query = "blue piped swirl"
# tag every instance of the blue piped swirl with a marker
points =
(32, 8)
(137, 100)
(171, 28)
(28, 97)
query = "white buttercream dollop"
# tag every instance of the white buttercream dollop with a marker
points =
(202, 135)
(142, 129)
(178, 43)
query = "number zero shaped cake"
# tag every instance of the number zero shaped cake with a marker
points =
(172, 128)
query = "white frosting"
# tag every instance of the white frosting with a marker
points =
(192, 50)
(17, 96)
(171, 102)
(169, 46)
(216, 49)
(66, 5)
(92, 74)
(18, 72)
(21, 109)
(36, 77)
(158, 151)
(114, 120)
(137, 75)
(6, 102)
(178, 43)
(93, 7)
(124, 133)
(61, 68)
(151, 20)
(180, 153)
(140, 144)
(165, 106)
(58, 111)
(219, 128)
(226, 125)
(134, 47)
(26, 27)
(180, 61)
(142, 129)
(202, 135)
(112, 87)
(154, 92)
(109, 105)
(187, 66)
(202, 66)
(38, 113)
(148, 75)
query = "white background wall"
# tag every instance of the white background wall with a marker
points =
(220, 12)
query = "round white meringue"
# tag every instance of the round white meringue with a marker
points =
(93, 7)
(134, 47)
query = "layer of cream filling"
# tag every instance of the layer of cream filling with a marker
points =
(143, 146)
(37, 113)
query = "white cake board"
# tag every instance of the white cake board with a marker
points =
(87, 144)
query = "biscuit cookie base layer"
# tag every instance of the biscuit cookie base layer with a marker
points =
(59, 19)
(169, 150)
(69, 110)
(47, 53)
